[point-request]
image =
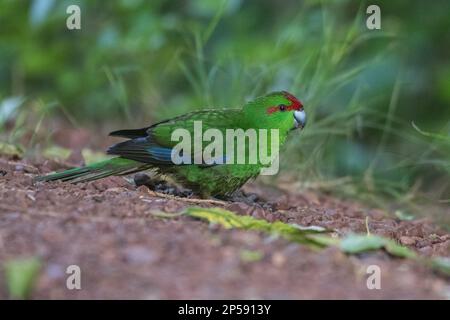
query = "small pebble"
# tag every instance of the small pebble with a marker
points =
(278, 259)
(407, 241)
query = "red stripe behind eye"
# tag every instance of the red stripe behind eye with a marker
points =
(272, 109)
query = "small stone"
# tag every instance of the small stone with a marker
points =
(259, 213)
(172, 206)
(421, 243)
(407, 241)
(428, 250)
(252, 197)
(139, 254)
(142, 189)
(55, 271)
(239, 207)
(278, 259)
(377, 214)
(270, 217)
(98, 198)
(332, 213)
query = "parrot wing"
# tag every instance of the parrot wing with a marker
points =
(154, 145)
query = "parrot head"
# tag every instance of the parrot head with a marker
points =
(280, 110)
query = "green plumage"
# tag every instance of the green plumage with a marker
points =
(150, 147)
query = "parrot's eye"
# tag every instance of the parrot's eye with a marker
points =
(282, 107)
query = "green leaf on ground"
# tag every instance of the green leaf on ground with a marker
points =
(230, 220)
(403, 216)
(11, 150)
(251, 255)
(20, 275)
(441, 265)
(356, 243)
(395, 249)
(314, 237)
(55, 152)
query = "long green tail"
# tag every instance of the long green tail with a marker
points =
(115, 166)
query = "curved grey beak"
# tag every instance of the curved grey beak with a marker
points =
(299, 119)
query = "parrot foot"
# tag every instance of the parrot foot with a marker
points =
(160, 186)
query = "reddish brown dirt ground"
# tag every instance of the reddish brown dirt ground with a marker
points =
(107, 228)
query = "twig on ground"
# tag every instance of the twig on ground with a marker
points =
(169, 196)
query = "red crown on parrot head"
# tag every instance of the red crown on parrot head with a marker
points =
(296, 104)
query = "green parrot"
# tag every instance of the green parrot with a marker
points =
(152, 148)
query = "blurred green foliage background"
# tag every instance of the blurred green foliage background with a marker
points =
(134, 62)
